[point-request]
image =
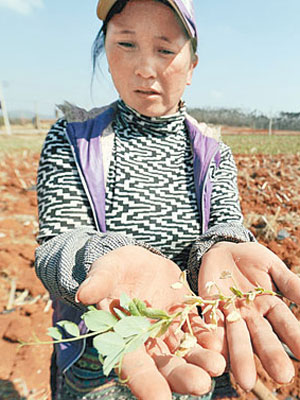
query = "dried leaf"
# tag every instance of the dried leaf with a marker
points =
(214, 317)
(225, 274)
(183, 278)
(207, 308)
(188, 341)
(234, 316)
(165, 326)
(177, 286)
(251, 296)
(211, 327)
(209, 285)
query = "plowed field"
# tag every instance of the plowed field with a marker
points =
(270, 198)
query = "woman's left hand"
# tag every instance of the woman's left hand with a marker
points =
(264, 321)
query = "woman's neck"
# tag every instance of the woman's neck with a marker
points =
(127, 116)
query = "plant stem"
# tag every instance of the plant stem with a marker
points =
(73, 339)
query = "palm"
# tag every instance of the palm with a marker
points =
(252, 265)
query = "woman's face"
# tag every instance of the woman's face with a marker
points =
(149, 57)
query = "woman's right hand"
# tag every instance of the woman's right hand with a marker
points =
(153, 369)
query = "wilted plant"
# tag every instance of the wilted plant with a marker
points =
(131, 325)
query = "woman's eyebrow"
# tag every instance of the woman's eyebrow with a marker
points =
(164, 38)
(126, 32)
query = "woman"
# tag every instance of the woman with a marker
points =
(129, 198)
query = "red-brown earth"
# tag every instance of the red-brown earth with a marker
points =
(270, 198)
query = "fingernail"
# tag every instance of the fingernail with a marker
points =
(84, 283)
(76, 298)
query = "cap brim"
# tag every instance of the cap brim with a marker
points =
(104, 6)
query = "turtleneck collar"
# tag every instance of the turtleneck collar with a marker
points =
(127, 116)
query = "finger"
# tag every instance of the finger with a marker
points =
(241, 353)
(182, 377)
(210, 361)
(98, 285)
(283, 321)
(269, 349)
(173, 336)
(212, 339)
(143, 377)
(286, 281)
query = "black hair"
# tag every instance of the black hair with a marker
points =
(117, 8)
(99, 42)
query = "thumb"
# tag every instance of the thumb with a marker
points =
(98, 285)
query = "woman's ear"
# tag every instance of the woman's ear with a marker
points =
(193, 65)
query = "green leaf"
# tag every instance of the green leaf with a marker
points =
(112, 361)
(131, 326)
(109, 342)
(136, 341)
(236, 291)
(156, 314)
(124, 301)
(99, 320)
(71, 328)
(54, 333)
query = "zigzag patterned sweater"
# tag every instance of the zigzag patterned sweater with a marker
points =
(150, 201)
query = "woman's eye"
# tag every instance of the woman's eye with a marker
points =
(127, 45)
(166, 52)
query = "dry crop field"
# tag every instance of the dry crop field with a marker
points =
(269, 182)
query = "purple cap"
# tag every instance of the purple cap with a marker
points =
(184, 9)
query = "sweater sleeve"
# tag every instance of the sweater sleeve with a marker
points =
(226, 219)
(68, 238)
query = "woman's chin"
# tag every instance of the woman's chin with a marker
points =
(151, 108)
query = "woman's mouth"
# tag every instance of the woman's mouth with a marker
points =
(147, 92)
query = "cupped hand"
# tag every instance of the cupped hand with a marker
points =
(153, 369)
(265, 321)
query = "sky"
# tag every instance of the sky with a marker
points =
(249, 55)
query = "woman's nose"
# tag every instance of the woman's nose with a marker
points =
(145, 67)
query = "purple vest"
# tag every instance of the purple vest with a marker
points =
(86, 142)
